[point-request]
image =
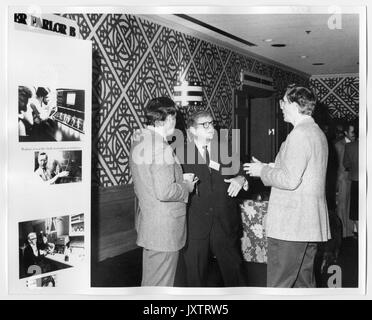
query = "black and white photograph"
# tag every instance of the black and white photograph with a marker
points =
(49, 245)
(211, 150)
(43, 282)
(288, 217)
(58, 166)
(47, 114)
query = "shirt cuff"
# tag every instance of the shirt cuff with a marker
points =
(245, 185)
(264, 175)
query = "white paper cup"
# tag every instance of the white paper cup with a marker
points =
(189, 176)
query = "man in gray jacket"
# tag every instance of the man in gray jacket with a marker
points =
(162, 194)
(297, 216)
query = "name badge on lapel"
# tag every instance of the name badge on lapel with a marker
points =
(214, 165)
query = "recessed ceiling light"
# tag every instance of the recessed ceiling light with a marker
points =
(279, 45)
(318, 64)
(303, 57)
(268, 40)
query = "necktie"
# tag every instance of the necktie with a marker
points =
(206, 153)
(46, 175)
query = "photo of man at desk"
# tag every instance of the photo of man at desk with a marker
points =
(50, 244)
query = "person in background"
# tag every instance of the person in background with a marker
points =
(351, 165)
(40, 105)
(42, 110)
(25, 118)
(297, 217)
(162, 194)
(44, 245)
(214, 221)
(331, 177)
(343, 182)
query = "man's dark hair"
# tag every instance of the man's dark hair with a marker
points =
(41, 92)
(24, 94)
(304, 97)
(158, 109)
(346, 125)
(42, 154)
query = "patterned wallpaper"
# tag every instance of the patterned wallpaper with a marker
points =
(135, 60)
(339, 93)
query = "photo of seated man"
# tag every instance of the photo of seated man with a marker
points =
(48, 245)
(33, 255)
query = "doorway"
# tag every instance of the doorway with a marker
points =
(262, 129)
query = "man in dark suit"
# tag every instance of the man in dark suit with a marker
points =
(343, 182)
(213, 219)
(351, 165)
(34, 255)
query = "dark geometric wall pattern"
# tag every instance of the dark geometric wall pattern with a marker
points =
(135, 60)
(339, 94)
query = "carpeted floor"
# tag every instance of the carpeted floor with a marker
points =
(125, 270)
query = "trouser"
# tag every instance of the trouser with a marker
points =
(290, 264)
(158, 268)
(197, 252)
(354, 201)
(343, 205)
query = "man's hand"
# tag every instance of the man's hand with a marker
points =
(235, 186)
(190, 185)
(63, 174)
(254, 168)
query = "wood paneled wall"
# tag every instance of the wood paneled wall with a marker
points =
(113, 221)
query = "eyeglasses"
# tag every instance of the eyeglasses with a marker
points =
(31, 239)
(207, 124)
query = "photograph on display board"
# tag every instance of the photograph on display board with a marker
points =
(47, 281)
(46, 114)
(51, 244)
(57, 167)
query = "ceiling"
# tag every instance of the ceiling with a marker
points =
(337, 48)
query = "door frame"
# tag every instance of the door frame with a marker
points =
(236, 92)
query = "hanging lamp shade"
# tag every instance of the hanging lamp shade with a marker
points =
(188, 93)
